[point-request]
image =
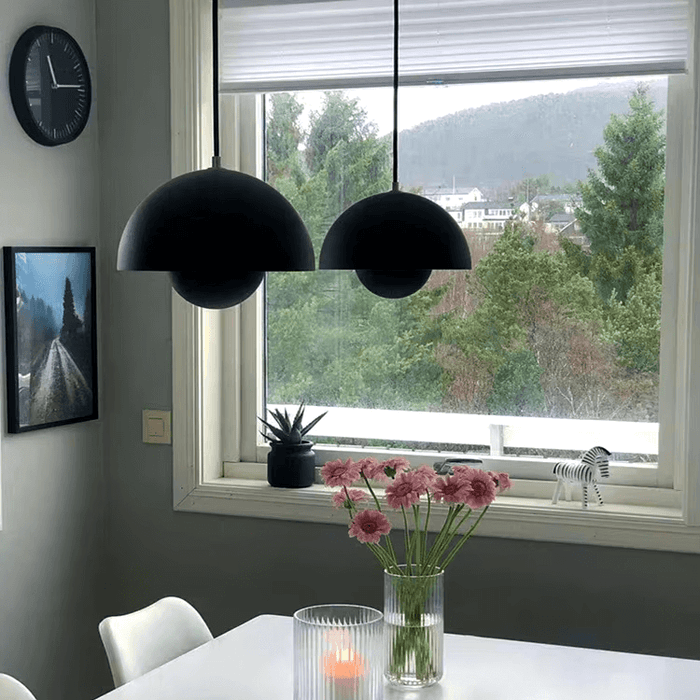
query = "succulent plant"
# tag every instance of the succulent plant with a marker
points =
(289, 432)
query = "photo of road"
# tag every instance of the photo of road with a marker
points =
(54, 338)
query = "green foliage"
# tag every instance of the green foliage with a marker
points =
(288, 431)
(540, 329)
(329, 339)
(530, 312)
(622, 217)
(622, 211)
(283, 137)
(530, 187)
(517, 390)
(635, 326)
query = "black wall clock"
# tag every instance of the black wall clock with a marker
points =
(50, 85)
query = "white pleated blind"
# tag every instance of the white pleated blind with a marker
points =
(288, 44)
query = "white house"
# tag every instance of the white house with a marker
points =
(568, 201)
(489, 216)
(453, 199)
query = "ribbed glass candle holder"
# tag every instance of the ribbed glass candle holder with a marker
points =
(414, 628)
(338, 653)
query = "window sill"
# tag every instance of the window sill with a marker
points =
(613, 525)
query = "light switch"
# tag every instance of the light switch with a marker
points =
(156, 426)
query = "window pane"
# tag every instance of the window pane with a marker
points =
(559, 189)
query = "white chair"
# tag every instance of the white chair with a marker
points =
(145, 639)
(12, 689)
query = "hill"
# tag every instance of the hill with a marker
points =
(496, 145)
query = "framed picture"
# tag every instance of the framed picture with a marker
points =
(50, 336)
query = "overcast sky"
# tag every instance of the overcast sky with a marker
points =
(420, 104)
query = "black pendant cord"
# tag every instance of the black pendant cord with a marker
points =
(395, 182)
(216, 160)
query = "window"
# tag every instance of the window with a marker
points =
(660, 516)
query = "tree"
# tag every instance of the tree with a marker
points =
(329, 339)
(532, 345)
(622, 209)
(283, 137)
(622, 217)
(71, 321)
(340, 120)
(529, 187)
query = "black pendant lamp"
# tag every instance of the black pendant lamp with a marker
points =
(216, 231)
(394, 240)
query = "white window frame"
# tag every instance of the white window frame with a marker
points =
(217, 358)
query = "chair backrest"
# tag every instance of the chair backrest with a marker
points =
(12, 689)
(145, 639)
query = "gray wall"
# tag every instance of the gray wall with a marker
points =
(52, 541)
(234, 568)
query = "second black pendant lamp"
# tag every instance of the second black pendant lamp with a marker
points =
(216, 231)
(394, 240)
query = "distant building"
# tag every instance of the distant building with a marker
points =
(453, 199)
(486, 216)
(568, 201)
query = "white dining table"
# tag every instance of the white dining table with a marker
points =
(254, 662)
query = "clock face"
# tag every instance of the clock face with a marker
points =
(50, 85)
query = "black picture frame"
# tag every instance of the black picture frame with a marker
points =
(50, 336)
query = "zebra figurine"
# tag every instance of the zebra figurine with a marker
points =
(592, 465)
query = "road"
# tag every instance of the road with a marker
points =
(60, 391)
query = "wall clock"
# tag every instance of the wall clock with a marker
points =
(50, 85)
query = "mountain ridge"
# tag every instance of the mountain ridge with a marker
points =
(495, 146)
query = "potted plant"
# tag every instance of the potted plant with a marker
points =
(291, 461)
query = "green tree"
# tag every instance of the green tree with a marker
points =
(622, 217)
(532, 342)
(329, 339)
(622, 210)
(635, 326)
(340, 120)
(71, 321)
(529, 187)
(283, 137)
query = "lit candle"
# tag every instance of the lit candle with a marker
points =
(342, 664)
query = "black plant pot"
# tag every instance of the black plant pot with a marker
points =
(291, 466)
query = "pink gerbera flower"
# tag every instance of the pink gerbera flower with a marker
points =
(503, 481)
(339, 473)
(463, 472)
(427, 474)
(392, 467)
(451, 489)
(369, 526)
(406, 490)
(480, 489)
(341, 498)
(372, 469)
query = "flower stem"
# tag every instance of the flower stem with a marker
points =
(425, 536)
(443, 539)
(371, 490)
(465, 537)
(417, 536)
(407, 545)
(381, 554)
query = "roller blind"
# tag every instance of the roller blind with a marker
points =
(316, 44)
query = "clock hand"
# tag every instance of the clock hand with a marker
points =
(53, 75)
(68, 86)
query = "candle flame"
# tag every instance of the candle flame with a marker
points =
(343, 663)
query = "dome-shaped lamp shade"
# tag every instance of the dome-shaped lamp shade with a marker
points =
(394, 240)
(216, 231)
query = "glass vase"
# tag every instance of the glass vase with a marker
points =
(414, 629)
(338, 653)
